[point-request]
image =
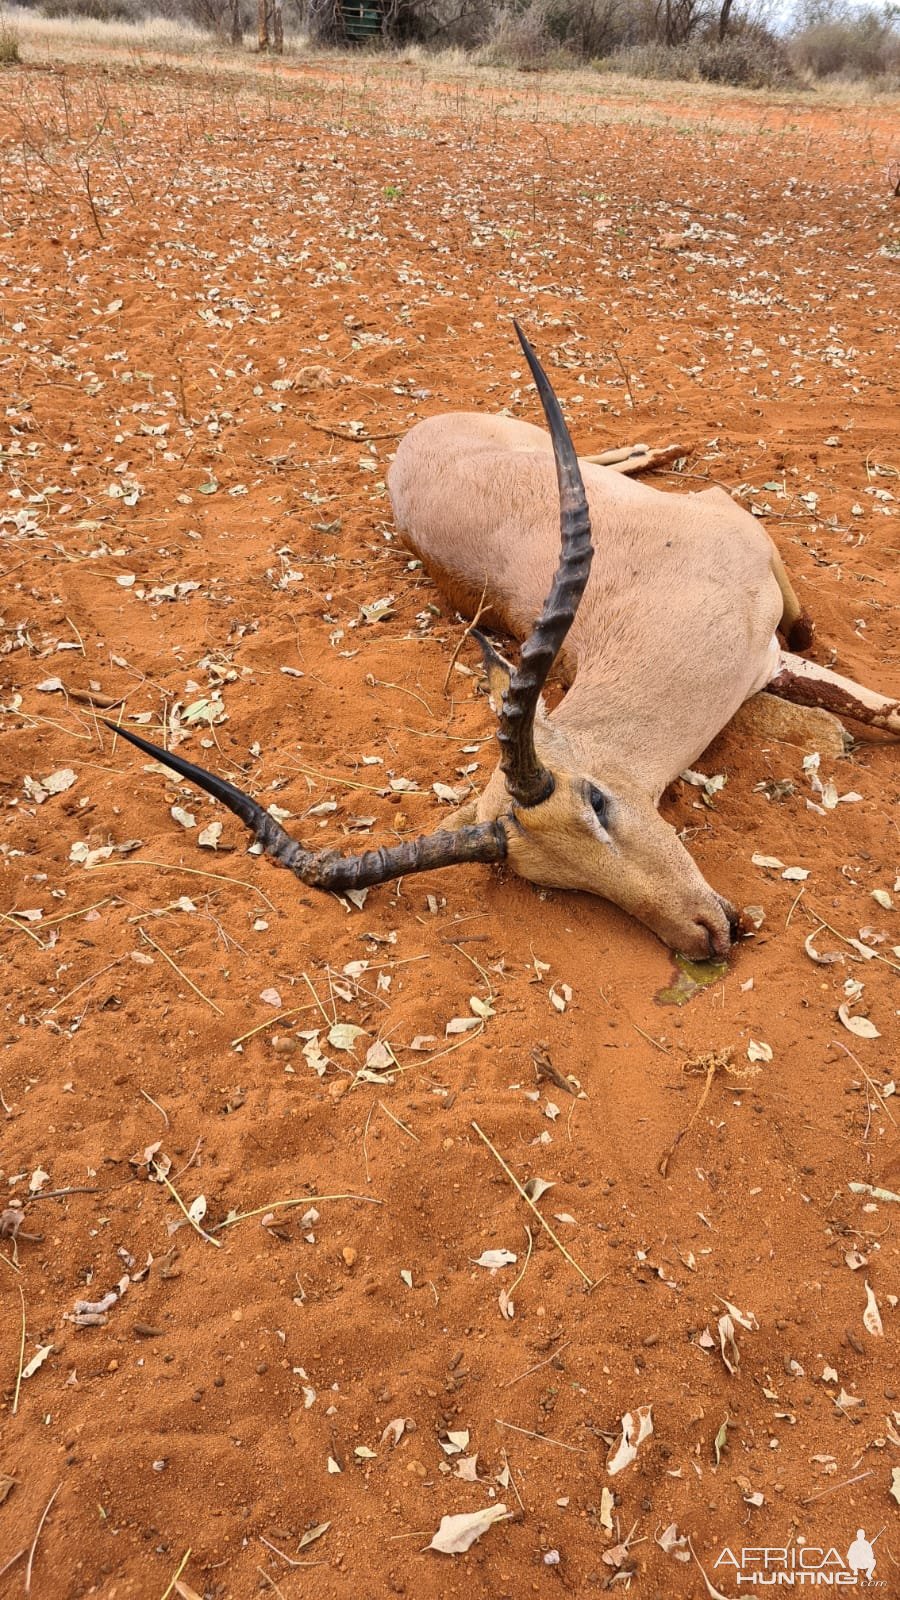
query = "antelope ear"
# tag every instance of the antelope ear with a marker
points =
(497, 670)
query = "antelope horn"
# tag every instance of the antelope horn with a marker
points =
(527, 781)
(327, 869)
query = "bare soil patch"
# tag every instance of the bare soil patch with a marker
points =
(224, 299)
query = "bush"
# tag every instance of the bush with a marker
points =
(96, 10)
(863, 46)
(748, 58)
(9, 44)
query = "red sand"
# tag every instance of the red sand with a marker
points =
(212, 284)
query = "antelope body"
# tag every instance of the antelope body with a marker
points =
(662, 611)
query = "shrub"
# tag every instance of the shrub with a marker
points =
(862, 46)
(748, 58)
(9, 44)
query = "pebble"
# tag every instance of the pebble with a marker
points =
(349, 1256)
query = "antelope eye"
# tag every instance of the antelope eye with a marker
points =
(599, 804)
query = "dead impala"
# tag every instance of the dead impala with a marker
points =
(661, 633)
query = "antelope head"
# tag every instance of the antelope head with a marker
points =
(548, 809)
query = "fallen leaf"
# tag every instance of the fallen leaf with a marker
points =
(461, 1024)
(343, 1035)
(186, 818)
(823, 958)
(393, 1433)
(768, 861)
(453, 1442)
(633, 1435)
(673, 1543)
(895, 1484)
(535, 1187)
(758, 1051)
(872, 1315)
(37, 1360)
(457, 1534)
(495, 1259)
(861, 1026)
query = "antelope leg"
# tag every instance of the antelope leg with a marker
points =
(634, 458)
(811, 685)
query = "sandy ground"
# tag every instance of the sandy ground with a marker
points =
(225, 296)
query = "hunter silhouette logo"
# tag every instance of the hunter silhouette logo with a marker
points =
(861, 1556)
(805, 1565)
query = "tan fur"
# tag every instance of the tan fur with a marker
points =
(676, 629)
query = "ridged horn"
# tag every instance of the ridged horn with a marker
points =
(327, 869)
(527, 780)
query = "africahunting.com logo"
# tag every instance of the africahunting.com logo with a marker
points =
(803, 1565)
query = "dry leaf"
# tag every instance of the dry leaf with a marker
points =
(607, 1501)
(872, 1315)
(457, 1534)
(495, 1259)
(185, 1591)
(860, 1026)
(461, 1024)
(37, 1360)
(343, 1035)
(186, 818)
(895, 1484)
(454, 1442)
(394, 1431)
(823, 958)
(633, 1435)
(758, 1051)
(673, 1543)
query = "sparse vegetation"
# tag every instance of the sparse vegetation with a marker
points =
(714, 41)
(9, 43)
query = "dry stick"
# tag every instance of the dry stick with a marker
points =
(662, 1165)
(37, 1535)
(543, 1437)
(57, 1194)
(13, 1559)
(389, 1113)
(833, 1487)
(271, 1582)
(159, 1108)
(541, 1219)
(193, 872)
(482, 607)
(520, 1275)
(183, 975)
(529, 1370)
(300, 1200)
(21, 927)
(289, 1559)
(15, 1404)
(270, 1023)
(621, 368)
(99, 974)
(176, 1196)
(177, 1574)
(329, 1021)
(815, 916)
(870, 1081)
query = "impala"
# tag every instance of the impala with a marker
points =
(660, 632)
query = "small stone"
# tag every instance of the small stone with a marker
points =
(349, 1256)
(338, 1088)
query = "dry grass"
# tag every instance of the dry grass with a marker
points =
(554, 93)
